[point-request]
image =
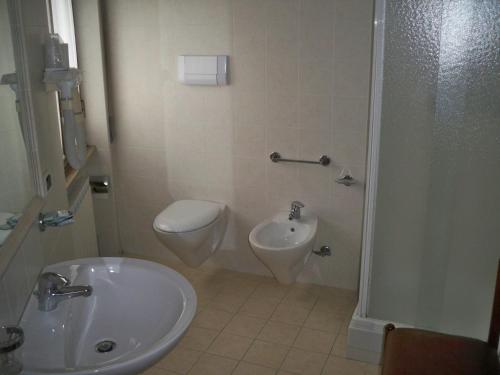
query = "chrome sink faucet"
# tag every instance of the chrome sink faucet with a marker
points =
(54, 288)
(295, 210)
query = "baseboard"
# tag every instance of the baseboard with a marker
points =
(366, 337)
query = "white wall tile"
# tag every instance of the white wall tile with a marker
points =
(294, 89)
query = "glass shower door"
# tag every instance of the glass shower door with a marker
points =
(437, 222)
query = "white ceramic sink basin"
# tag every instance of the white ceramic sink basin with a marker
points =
(142, 306)
(285, 245)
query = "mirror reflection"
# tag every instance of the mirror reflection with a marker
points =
(16, 188)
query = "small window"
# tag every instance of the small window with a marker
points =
(62, 23)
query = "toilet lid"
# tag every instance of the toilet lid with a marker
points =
(186, 216)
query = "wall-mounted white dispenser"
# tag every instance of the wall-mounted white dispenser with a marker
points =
(203, 70)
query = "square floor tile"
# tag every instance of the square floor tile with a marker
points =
(336, 304)
(290, 314)
(304, 296)
(324, 321)
(198, 338)
(244, 325)
(252, 369)
(231, 346)
(340, 346)
(314, 340)
(279, 333)
(212, 319)
(271, 289)
(342, 366)
(260, 307)
(210, 364)
(230, 302)
(179, 360)
(266, 354)
(157, 371)
(304, 362)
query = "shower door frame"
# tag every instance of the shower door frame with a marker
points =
(372, 157)
(365, 334)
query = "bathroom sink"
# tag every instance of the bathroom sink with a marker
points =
(284, 245)
(137, 312)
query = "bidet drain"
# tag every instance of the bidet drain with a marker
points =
(105, 346)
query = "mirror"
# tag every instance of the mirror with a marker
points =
(16, 186)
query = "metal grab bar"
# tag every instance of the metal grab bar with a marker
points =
(276, 157)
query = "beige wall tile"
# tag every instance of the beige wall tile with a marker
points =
(299, 73)
(266, 354)
(282, 110)
(286, 140)
(315, 112)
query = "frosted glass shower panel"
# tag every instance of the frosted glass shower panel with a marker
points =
(437, 231)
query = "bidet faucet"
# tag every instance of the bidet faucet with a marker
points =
(54, 288)
(295, 210)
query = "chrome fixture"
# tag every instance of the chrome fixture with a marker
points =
(11, 338)
(54, 288)
(295, 210)
(324, 251)
(55, 219)
(346, 180)
(276, 157)
(99, 184)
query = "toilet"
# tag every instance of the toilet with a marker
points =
(192, 229)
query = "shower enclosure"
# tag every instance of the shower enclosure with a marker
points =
(432, 224)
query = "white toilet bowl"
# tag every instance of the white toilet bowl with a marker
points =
(284, 245)
(192, 229)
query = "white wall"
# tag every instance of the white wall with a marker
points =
(299, 85)
(88, 31)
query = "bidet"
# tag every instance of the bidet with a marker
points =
(284, 243)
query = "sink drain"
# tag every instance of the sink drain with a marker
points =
(105, 346)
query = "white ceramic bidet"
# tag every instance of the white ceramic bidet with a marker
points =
(284, 243)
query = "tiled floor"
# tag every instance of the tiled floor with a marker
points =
(251, 325)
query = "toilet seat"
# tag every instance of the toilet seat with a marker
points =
(187, 216)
